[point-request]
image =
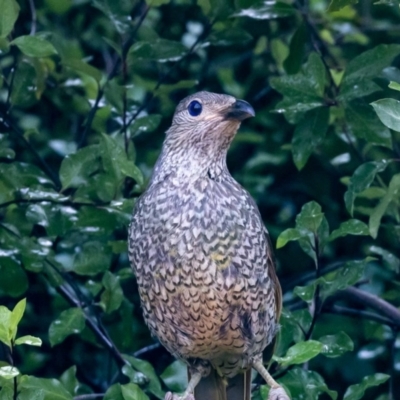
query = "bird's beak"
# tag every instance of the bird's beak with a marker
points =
(239, 110)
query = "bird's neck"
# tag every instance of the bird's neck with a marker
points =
(187, 160)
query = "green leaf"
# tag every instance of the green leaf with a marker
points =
(175, 376)
(15, 318)
(161, 50)
(116, 162)
(118, 13)
(302, 92)
(309, 134)
(147, 369)
(68, 379)
(34, 46)
(24, 86)
(5, 332)
(306, 385)
(8, 16)
(336, 5)
(300, 353)
(394, 86)
(92, 258)
(369, 64)
(8, 372)
(364, 123)
(362, 178)
(288, 235)
(310, 217)
(84, 68)
(350, 227)
(13, 280)
(131, 391)
(266, 10)
(157, 3)
(388, 111)
(356, 392)
(359, 89)
(76, 168)
(336, 345)
(391, 194)
(146, 124)
(29, 340)
(228, 37)
(69, 322)
(112, 296)
(52, 388)
(389, 259)
(114, 392)
(297, 47)
(306, 293)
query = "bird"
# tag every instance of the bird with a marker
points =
(202, 257)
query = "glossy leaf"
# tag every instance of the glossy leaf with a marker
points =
(377, 214)
(370, 63)
(161, 50)
(175, 376)
(309, 134)
(336, 5)
(69, 380)
(362, 178)
(8, 372)
(306, 385)
(310, 217)
(350, 227)
(302, 92)
(34, 46)
(147, 369)
(52, 388)
(8, 16)
(356, 392)
(389, 259)
(300, 353)
(364, 124)
(113, 295)
(130, 391)
(69, 322)
(288, 235)
(13, 280)
(29, 340)
(336, 345)
(229, 37)
(388, 111)
(91, 259)
(267, 10)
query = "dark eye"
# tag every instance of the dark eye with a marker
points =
(195, 108)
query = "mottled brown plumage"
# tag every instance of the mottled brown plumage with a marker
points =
(202, 257)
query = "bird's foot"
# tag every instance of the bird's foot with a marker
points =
(278, 393)
(183, 396)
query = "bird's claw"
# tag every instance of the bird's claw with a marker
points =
(278, 393)
(175, 396)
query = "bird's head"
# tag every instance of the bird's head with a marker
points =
(202, 129)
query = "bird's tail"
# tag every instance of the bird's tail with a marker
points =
(213, 387)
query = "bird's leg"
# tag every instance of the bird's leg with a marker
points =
(277, 392)
(195, 377)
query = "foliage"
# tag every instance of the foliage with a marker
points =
(87, 88)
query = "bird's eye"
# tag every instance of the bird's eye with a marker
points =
(195, 108)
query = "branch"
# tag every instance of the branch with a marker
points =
(146, 349)
(372, 301)
(111, 75)
(33, 13)
(72, 296)
(147, 102)
(19, 134)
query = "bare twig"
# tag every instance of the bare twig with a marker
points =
(147, 349)
(33, 13)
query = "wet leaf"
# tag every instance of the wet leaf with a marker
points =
(52, 388)
(336, 345)
(175, 376)
(300, 353)
(71, 321)
(161, 50)
(8, 372)
(34, 46)
(356, 392)
(29, 340)
(350, 227)
(388, 111)
(113, 295)
(8, 16)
